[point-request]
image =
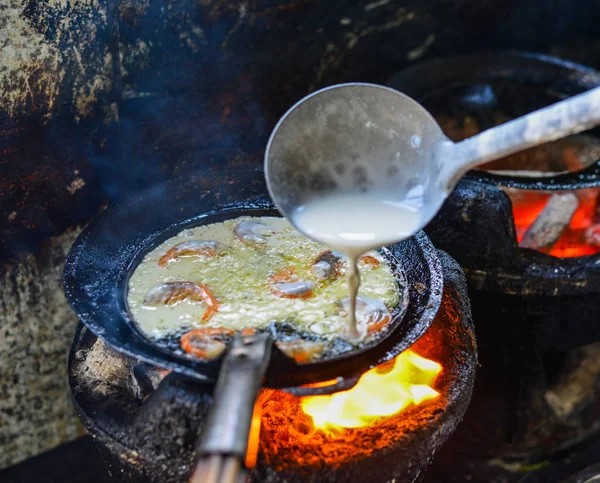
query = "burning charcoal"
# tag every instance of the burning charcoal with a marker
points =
(592, 235)
(547, 228)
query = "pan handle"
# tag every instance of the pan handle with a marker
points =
(224, 444)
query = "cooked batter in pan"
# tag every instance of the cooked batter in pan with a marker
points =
(249, 272)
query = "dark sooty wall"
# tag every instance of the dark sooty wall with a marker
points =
(100, 98)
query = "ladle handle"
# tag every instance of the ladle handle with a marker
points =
(570, 116)
(224, 443)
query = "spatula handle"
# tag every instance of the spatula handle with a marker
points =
(224, 440)
(570, 116)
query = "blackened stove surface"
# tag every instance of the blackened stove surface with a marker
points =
(150, 435)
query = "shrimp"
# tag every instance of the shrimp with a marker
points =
(328, 265)
(205, 343)
(204, 248)
(171, 293)
(252, 233)
(371, 314)
(286, 284)
(370, 261)
(300, 350)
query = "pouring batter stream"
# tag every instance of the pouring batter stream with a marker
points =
(354, 224)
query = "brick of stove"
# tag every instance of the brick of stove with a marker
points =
(36, 331)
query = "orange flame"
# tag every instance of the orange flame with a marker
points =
(383, 391)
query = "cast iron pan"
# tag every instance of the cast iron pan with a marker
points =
(548, 79)
(102, 258)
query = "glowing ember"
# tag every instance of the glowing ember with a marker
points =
(383, 391)
(579, 238)
(563, 236)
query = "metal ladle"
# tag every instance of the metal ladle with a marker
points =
(363, 139)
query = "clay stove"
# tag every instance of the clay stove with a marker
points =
(146, 420)
(524, 230)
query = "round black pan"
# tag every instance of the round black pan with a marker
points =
(103, 256)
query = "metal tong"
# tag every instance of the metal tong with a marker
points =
(229, 442)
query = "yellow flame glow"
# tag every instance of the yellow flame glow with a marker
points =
(379, 392)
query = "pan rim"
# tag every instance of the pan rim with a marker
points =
(233, 212)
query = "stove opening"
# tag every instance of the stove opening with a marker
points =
(388, 426)
(388, 402)
(383, 391)
(560, 223)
